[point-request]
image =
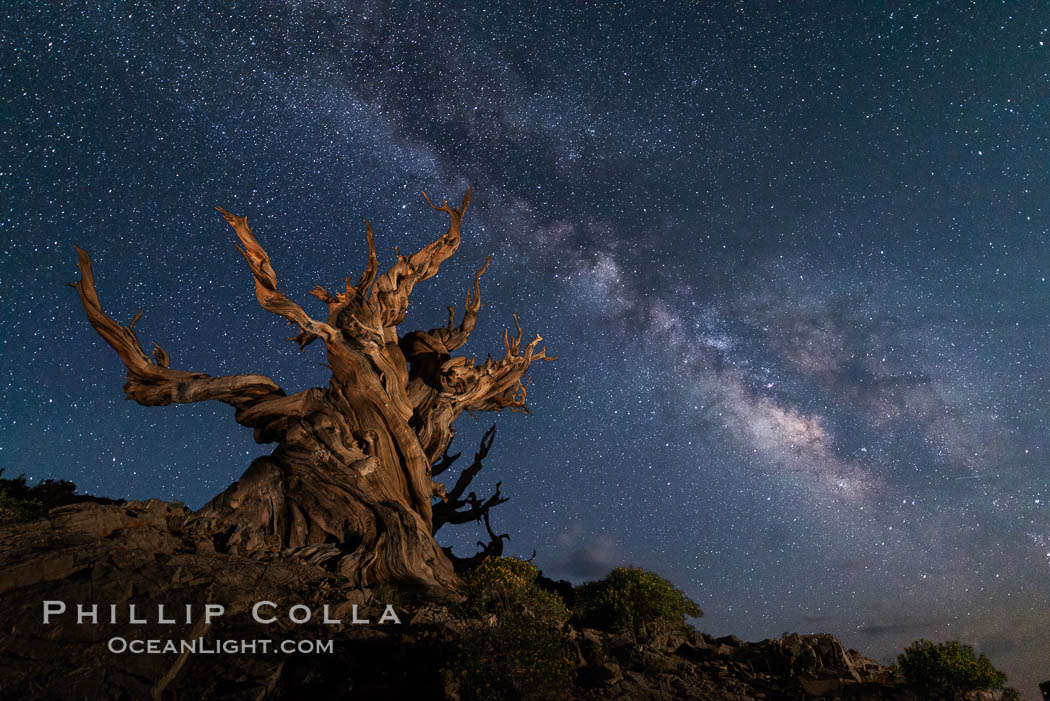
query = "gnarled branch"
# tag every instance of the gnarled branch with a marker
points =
(443, 463)
(351, 311)
(270, 298)
(451, 510)
(494, 548)
(495, 385)
(150, 381)
(392, 288)
(452, 337)
(369, 274)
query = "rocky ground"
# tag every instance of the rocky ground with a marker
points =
(153, 553)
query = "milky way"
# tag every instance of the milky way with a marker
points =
(793, 262)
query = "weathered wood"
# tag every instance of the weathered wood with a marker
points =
(350, 480)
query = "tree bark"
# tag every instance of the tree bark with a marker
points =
(349, 485)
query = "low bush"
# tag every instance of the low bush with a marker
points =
(20, 502)
(14, 509)
(948, 668)
(506, 586)
(517, 658)
(632, 599)
(517, 650)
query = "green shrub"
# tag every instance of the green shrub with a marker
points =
(507, 586)
(949, 668)
(383, 594)
(631, 599)
(517, 649)
(517, 658)
(20, 502)
(14, 509)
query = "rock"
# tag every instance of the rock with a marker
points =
(653, 661)
(431, 614)
(351, 598)
(690, 651)
(596, 675)
(143, 554)
(151, 554)
(728, 669)
(592, 636)
(821, 687)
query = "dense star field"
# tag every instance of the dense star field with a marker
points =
(793, 260)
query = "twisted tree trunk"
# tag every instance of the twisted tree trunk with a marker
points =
(350, 483)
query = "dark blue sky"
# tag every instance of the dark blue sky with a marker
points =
(792, 256)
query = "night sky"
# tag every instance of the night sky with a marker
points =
(793, 259)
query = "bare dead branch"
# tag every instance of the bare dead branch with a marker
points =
(369, 274)
(494, 548)
(452, 510)
(270, 298)
(495, 385)
(451, 336)
(393, 288)
(150, 381)
(443, 463)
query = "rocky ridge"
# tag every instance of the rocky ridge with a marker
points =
(155, 553)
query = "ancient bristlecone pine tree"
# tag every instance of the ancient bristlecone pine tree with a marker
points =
(350, 482)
